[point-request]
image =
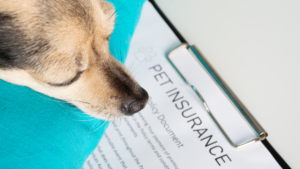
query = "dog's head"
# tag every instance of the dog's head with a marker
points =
(61, 48)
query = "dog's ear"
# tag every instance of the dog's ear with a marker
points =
(109, 14)
(108, 8)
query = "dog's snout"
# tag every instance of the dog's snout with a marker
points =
(135, 105)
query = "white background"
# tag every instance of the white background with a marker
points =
(255, 47)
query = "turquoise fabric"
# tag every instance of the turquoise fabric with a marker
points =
(40, 132)
(127, 16)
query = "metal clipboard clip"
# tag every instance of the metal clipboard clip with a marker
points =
(261, 133)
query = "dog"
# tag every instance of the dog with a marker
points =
(61, 48)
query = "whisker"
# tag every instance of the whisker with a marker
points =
(66, 102)
(118, 19)
(124, 54)
(135, 74)
(81, 101)
(120, 54)
(68, 107)
(93, 125)
(123, 23)
(122, 9)
(118, 9)
(134, 69)
(130, 66)
(115, 50)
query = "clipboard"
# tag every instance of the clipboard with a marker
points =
(261, 133)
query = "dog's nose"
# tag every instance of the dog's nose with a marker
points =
(134, 106)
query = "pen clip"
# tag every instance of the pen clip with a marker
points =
(261, 133)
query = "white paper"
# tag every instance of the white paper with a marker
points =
(160, 137)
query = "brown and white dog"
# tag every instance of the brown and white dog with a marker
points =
(61, 48)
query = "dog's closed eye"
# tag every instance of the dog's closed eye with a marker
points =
(67, 82)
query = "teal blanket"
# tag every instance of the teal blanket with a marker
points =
(40, 132)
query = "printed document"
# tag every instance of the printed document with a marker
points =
(174, 131)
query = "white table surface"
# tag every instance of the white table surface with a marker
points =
(255, 47)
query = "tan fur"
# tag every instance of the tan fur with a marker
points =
(75, 47)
